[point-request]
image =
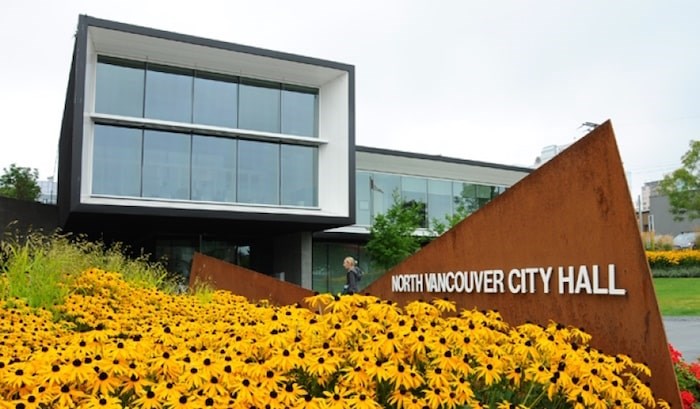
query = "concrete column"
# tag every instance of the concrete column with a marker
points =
(293, 256)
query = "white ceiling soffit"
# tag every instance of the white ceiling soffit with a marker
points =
(180, 54)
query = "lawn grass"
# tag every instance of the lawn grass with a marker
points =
(678, 296)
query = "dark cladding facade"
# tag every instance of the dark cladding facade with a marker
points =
(175, 144)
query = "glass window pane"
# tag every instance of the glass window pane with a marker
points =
(362, 198)
(224, 250)
(258, 172)
(169, 94)
(464, 197)
(415, 190)
(319, 267)
(166, 165)
(259, 108)
(299, 111)
(382, 188)
(439, 200)
(213, 169)
(116, 166)
(299, 166)
(483, 191)
(215, 100)
(119, 88)
(177, 254)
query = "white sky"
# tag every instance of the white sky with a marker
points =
(492, 81)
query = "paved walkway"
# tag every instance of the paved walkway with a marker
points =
(684, 334)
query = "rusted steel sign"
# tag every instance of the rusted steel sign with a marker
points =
(563, 244)
(248, 283)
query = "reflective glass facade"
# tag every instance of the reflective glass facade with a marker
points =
(116, 168)
(154, 163)
(437, 197)
(168, 165)
(152, 91)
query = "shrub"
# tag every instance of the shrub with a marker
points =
(660, 242)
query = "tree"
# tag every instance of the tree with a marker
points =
(392, 237)
(683, 186)
(20, 183)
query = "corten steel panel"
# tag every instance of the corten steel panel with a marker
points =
(575, 210)
(248, 283)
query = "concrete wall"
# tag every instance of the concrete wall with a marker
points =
(22, 216)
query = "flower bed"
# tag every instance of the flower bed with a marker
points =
(114, 345)
(688, 376)
(682, 258)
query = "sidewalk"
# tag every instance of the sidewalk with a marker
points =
(684, 334)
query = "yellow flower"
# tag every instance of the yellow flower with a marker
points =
(148, 400)
(102, 383)
(338, 398)
(69, 396)
(103, 402)
(489, 370)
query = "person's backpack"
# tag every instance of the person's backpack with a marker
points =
(359, 273)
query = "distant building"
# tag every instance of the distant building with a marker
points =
(548, 152)
(648, 190)
(661, 219)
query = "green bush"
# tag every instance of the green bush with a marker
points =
(675, 272)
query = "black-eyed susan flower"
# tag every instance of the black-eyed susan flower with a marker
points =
(337, 398)
(102, 383)
(69, 396)
(148, 400)
(102, 402)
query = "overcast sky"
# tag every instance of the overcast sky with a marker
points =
(493, 81)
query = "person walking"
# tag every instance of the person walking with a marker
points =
(351, 275)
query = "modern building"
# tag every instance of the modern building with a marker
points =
(174, 144)
(661, 220)
(442, 184)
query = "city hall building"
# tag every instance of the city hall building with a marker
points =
(177, 144)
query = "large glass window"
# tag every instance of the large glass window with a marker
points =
(139, 89)
(299, 172)
(259, 108)
(383, 186)
(484, 194)
(415, 191)
(215, 100)
(213, 169)
(258, 172)
(168, 94)
(439, 200)
(464, 197)
(116, 166)
(159, 164)
(120, 87)
(166, 165)
(363, 198)
(299, 111)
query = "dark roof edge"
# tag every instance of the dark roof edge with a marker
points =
(440, 158)
(185, 38)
